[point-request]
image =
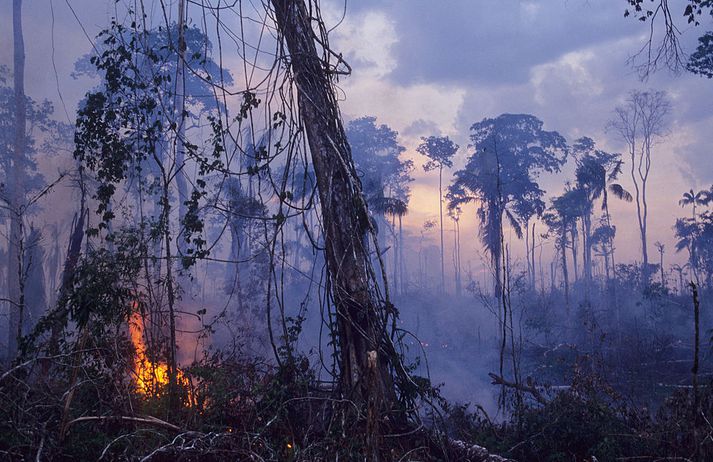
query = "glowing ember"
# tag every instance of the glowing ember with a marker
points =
(151, 377)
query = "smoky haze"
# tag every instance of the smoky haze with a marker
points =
(538, 213)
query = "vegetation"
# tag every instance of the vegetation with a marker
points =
(242, 278)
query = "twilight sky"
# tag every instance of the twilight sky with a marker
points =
(435, 67)
(427, 67)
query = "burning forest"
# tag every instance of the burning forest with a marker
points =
(303, 230)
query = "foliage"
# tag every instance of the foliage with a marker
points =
(384, 176)
(500, 175)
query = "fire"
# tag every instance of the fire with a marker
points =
(150, 377)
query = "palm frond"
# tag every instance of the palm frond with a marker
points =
(621, 193)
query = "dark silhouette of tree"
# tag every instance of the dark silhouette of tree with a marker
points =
(21, 120)
(440, 151)
(455, 213)
(376, 151)
(561, 220)
(127, 129)
(695, 233)
(661, 248)
(641, 123)
(384, 176)
(701, 60)
(695, 199)
(366, 354)
(500, 176)
(602, 242)
(662, 47)
(595, 172)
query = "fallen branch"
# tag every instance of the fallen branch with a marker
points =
(150, 420)
(529, 387)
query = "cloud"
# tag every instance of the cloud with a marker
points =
(493, 41)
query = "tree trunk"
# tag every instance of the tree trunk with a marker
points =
(440, 209)
(180, 112)
(16, 186)
(532, 258)
(364, 346)
(565, 273)
(457, 258)
(575, 266)
(587, 222)
(530, 267)
(402, 268)
(396, 245)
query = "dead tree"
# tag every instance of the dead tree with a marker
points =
(365, 349)
(16, 187)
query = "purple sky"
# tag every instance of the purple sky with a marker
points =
(426, 67)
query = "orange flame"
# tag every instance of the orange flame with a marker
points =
(150, 377)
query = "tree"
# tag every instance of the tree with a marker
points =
(660, 248)
(701, 61)
(668, 52)
(699, 198)
(366, 355)
(561, 219)
(440, 151)
(641, 123)
(22, 121)
(694, 233)
(384, 176)
(126, 129)
(596, 169)
(602, 242)
(510, 152)
(455, 214)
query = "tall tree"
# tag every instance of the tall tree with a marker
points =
(440, 151)
(641, 123)
(511, 150)
(692, 231)
(124, 131)
(455, 213)
(384, 176)
(180, 119)
(596, 170)
(17, 185)
(561, 220)
(365, 351)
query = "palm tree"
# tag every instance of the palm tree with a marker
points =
(454, 213)
(440, 151)
(688, 230)
(397, 208)
(702, 197)
(596, 172)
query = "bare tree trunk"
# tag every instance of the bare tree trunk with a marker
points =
(565, 272)
(170, 289)
(532, 258)
(696, 354)
(180, 110)
(16, 187)
(364, 346)
(457, 259)
(587, 231)
(397, 244)
(530, 267)
(575, 266)
(440, 209)
(402, 267)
